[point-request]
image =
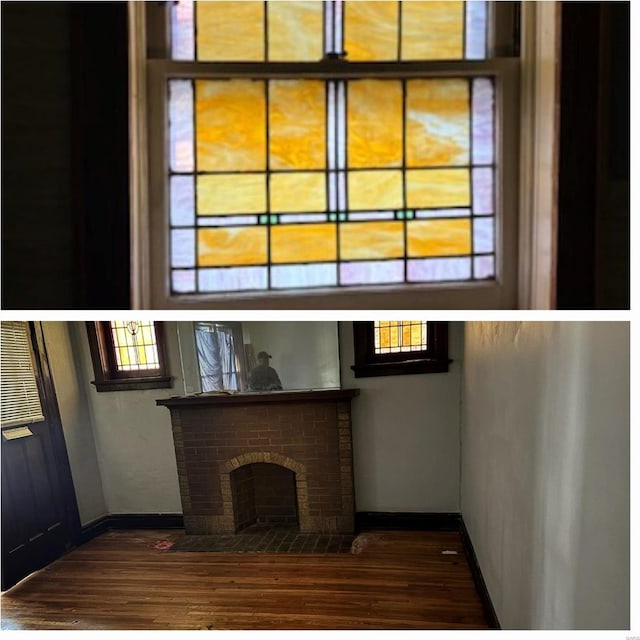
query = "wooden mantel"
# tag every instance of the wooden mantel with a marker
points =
(259, 397)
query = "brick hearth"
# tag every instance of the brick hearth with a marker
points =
(308, 433)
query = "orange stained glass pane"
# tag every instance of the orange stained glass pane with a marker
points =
(374, 123)
(297, 124)
(371, 240)
(228, 246)
(231, 193)
(394, 335)
(406, 334)
(432, 30)
(427, 188)
(230, 125)
(297, 192)
(230, 30)
(385, 336)
(427, 238)
(437, 122)
(371, 30)
(375, 190)
(295, 31)
(303, 243)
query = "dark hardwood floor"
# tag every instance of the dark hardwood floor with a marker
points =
(125, 580)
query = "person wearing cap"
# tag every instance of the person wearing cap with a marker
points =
(263, 377)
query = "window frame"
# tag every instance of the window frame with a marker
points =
(150, 71)
(108, 378)
(433, 359)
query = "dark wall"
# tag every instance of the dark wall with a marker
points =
(65, 236)
(593, 202)
(38, 261)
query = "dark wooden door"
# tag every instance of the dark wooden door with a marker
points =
(39, 511)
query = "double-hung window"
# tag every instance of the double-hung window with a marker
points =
(330, 154)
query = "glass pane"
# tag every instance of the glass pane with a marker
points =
(232, 246)
(432, 30)
(297, 120)
(303, 243)
(290, 192)
(374, 123)
(438, 238)
(437, 188)
(220, 194)
(371, 30)
(375, 189)
(370, 240)
(230, 125)
(230, 30)
(437, 123)
(182, 33)
(295, 30)
(135, 345)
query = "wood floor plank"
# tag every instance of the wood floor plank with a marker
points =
(120, 580)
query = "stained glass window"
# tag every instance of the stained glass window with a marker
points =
(134, 345)
(281, 182)
(400, 336)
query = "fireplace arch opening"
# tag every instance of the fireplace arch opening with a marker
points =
(264, 495)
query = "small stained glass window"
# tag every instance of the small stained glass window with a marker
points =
(400, 336)
(128, 355)
(300, 183)
(134, 345)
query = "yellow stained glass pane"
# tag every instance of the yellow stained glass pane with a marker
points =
(295, 31)
(406, 334)
(230, 125)
(297, 192)
(371, 30)
(227, 246)
(371, 240)
(427, 238)
(147, 334)
(437, 122)
(303, 243)
(393, 337)
(230, 30)
(432, 30)
(142, 354)
(427, 188)
(385, 336)
(231, 193)
(297, 124)
(375, 190)
(374, 123)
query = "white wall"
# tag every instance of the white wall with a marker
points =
(406, 434)
(133, 437)
(76, 420)
(545, 470)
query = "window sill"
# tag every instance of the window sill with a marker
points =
(401, 368)
(133, 384)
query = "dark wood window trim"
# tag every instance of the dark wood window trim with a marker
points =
(108, 378)
(434, 359)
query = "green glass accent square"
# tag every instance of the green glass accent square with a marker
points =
(342, 216)
(410, 215)
(274, 219)
(263, 219)
(332, 217)
(399, 215)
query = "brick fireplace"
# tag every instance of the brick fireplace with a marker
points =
(281, 457)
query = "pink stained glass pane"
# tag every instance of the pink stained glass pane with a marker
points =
(304, 275)
(372, 272)
(476, 30)
(181, 157)
(182, 31)
(182, 201)
(233, 279)
(183, 248)
(482, 109)
(183, 281)
(482, 190)
(439, 269)
(483, 235)
(484, 267)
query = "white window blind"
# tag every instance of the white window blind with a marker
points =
(20, 398)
